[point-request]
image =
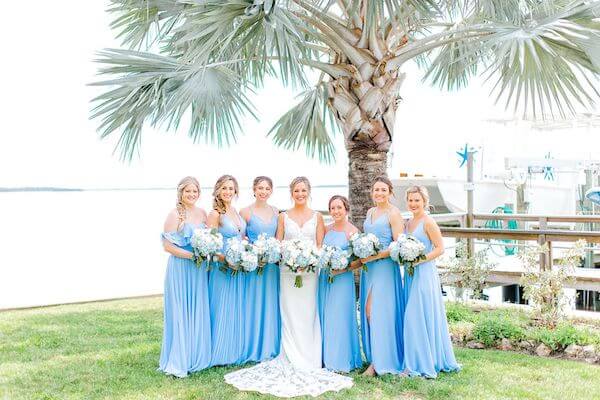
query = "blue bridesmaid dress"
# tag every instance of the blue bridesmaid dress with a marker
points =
(337, 312)
(427, 346)
(382, 335)
(226, 293)
(186, 344)
(262, 336)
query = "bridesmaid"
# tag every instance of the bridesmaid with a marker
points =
(381, 296)
(427, 346)
(337, 302)
(226, 291)
(263, 322)
(186, 335)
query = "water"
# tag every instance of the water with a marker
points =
(61, 247)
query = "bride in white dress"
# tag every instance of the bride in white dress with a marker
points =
(297, 370)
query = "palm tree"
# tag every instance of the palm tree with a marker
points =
(200, 59)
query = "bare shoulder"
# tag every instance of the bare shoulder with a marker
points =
(172, 221)
(429, 222)
(319, 216)
(328, 227)
(352, 229)
(395, 211)
(173, 214)
(245, 213)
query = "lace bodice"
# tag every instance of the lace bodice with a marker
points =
(292, 230)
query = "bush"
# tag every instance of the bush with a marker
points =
(564, 335)
(462, 330)
(490, 330)
(456, 312)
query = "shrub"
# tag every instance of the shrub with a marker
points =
(456, 312)
(462, 330)
(544, 288)
(471, 271)
(490, 330)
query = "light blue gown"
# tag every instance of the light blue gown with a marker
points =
(337, 312)
(427, 346)
(262, 335)
(226, 293)
(186, 344)
(382, 336)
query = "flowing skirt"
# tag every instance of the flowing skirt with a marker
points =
(382, 335)
(186, 344)
(339, 326)
(262, 319)
(427, 346)
(226, 295)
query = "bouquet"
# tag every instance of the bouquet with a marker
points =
(363, 245)
(240, 256)
(333, 259)
(268, 250)
(299, 256)
(408, 251)
(206, 242)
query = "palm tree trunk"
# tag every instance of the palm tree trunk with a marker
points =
(365, 164)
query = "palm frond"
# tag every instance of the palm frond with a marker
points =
(154, 89)
(548, 65)
(305, 125)
(141, 23)
(265, 35)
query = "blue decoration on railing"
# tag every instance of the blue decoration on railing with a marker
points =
(593, 195)
(464, 154)
(548, 171)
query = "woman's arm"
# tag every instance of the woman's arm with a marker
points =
(435, 235)
(320, 230)
(213, 222)
(280, 227)
(171, 225)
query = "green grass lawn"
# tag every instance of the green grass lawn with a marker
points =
(110, 350)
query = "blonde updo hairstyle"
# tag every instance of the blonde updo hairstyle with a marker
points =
(297, 180)
(218, 203)
(422, 190)
(181, 212)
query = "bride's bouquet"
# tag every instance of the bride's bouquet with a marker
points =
(240, 256)
(206, 242)
(364, 245)
(333, 259)
(407, 250)
(299, 256)
(268, 250)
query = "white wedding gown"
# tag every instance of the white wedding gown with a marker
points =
(297, 370)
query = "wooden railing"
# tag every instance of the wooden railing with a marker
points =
(584, 278)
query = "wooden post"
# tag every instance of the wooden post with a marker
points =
(470, 187)
(544, 262)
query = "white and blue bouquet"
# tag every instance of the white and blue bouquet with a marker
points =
(364, 245)
(240, 256)
(299, 256)
(407, 250)
(268, 249)
(332, 259)
(206, 242)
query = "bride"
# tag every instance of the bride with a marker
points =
(297, 370)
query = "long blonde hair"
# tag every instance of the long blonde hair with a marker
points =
(218, 203)
(181, 212)
(422, 190)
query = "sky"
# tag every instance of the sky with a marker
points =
(47, 139)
